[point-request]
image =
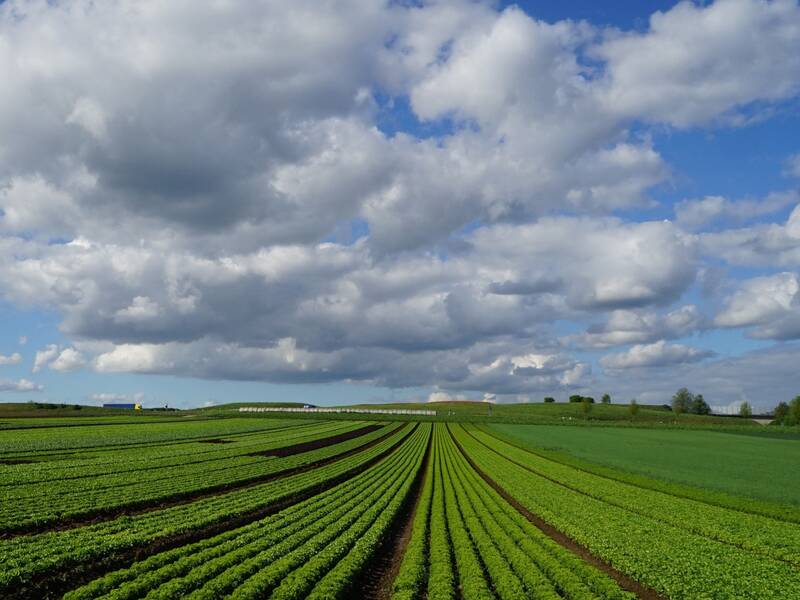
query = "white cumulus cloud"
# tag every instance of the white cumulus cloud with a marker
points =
(19, 385)
(11, 359)
(657, 354)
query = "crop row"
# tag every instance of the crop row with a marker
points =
(75, 500)
(409, 582)
(127, 460)
(671, 559)
(757, 534)
(18, 423)
(26, 559)
(319, 543)
(96, 467)
(41, 441)
(478, 546)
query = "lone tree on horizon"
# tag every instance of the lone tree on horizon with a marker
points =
(700, 406)
(682, 401)
(685, 401)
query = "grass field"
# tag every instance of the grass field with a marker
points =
(756, 466)
(215, 506)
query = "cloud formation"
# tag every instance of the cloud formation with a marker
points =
(694, 214)
(12, 359)
(769, 306)
(698, 62)
(209, 190)
(657, 354)
(58, 359)
(106, 397)
(793, 165)
(19, 385)
(637, 327)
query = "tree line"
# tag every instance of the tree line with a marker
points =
(686, 402)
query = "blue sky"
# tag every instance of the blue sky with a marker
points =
(405, 202)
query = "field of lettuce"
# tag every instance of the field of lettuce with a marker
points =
(283, 508)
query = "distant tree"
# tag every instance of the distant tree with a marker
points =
(682, 401)
(780, 413)
(793, 418)
(577, 399)
(633, 408)
(606, 399)
(745, 410)
(586, 406)
(700, 406)
(549, 399)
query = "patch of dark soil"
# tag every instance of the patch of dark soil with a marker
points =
(57, 582)
(215, 441)
(16, 461)
(284, 451)
(376, 578)
(624, 581)
(135, 508)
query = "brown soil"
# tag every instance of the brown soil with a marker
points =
(317, 444)
(135, 508)
(57, 582)
(378, 575)
(623, 580)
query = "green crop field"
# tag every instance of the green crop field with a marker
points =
(762, 467)
(465, 505)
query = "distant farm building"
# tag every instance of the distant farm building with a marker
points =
(136, 406)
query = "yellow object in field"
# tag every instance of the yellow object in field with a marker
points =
(137, 406)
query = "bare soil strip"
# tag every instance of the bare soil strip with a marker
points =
(317, 444)
(58, 582)
(136, 508)
(16, 461)
(378, 575)
(216, 441)
(624, 581)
